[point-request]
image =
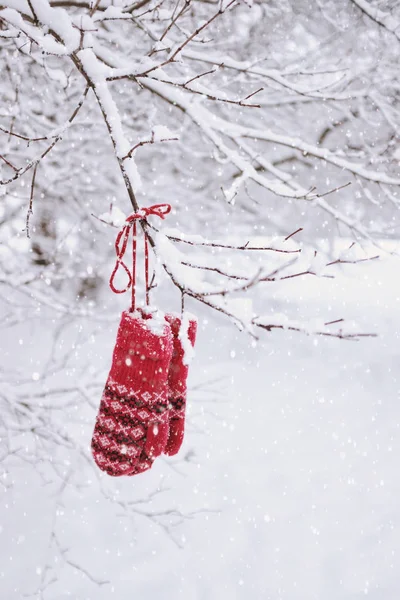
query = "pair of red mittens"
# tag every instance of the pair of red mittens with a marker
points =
(142, 410)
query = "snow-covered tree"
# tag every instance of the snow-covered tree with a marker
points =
(266, 126)
(274, 112)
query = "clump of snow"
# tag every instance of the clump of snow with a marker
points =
(59, 21)
(155, 323)
(112, 12)
(85, 23)
(278, 319)
(98, 73)
(46, 42)
(161, 132)
(318, 264)
(172, 258)
(187, 345)
(133, 173)
(311, 261)
(115, 217)
(57, 75)
(352, 253)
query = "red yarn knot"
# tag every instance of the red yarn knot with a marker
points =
(157, 210)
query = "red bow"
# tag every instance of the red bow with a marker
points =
(157, 210)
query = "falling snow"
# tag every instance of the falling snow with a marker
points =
(270, 128)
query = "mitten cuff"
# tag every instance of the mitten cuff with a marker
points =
(142, 354)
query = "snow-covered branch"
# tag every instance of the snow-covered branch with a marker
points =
(385, 19)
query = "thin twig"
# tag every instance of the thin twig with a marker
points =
(150, 141)
(8, 163)
(32, 163)
(175, 18)
(30, 209)
(294, 233)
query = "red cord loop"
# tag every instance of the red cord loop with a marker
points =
(157, 210)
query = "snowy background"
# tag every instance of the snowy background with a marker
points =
(255, 120)
(286, 487)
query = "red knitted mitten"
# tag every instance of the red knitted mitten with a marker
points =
(146, 459)
(132, 414)
(184, 337)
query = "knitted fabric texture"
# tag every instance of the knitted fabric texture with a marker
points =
(134, 401)
(146, 459)
(173, 429)
(177, 388)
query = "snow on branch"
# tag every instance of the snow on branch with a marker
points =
(55, 136)
(188, 274)
(384, 19)
(87, 45)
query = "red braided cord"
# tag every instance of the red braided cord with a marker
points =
(146, 269)
(133, 286)
(158, 210)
